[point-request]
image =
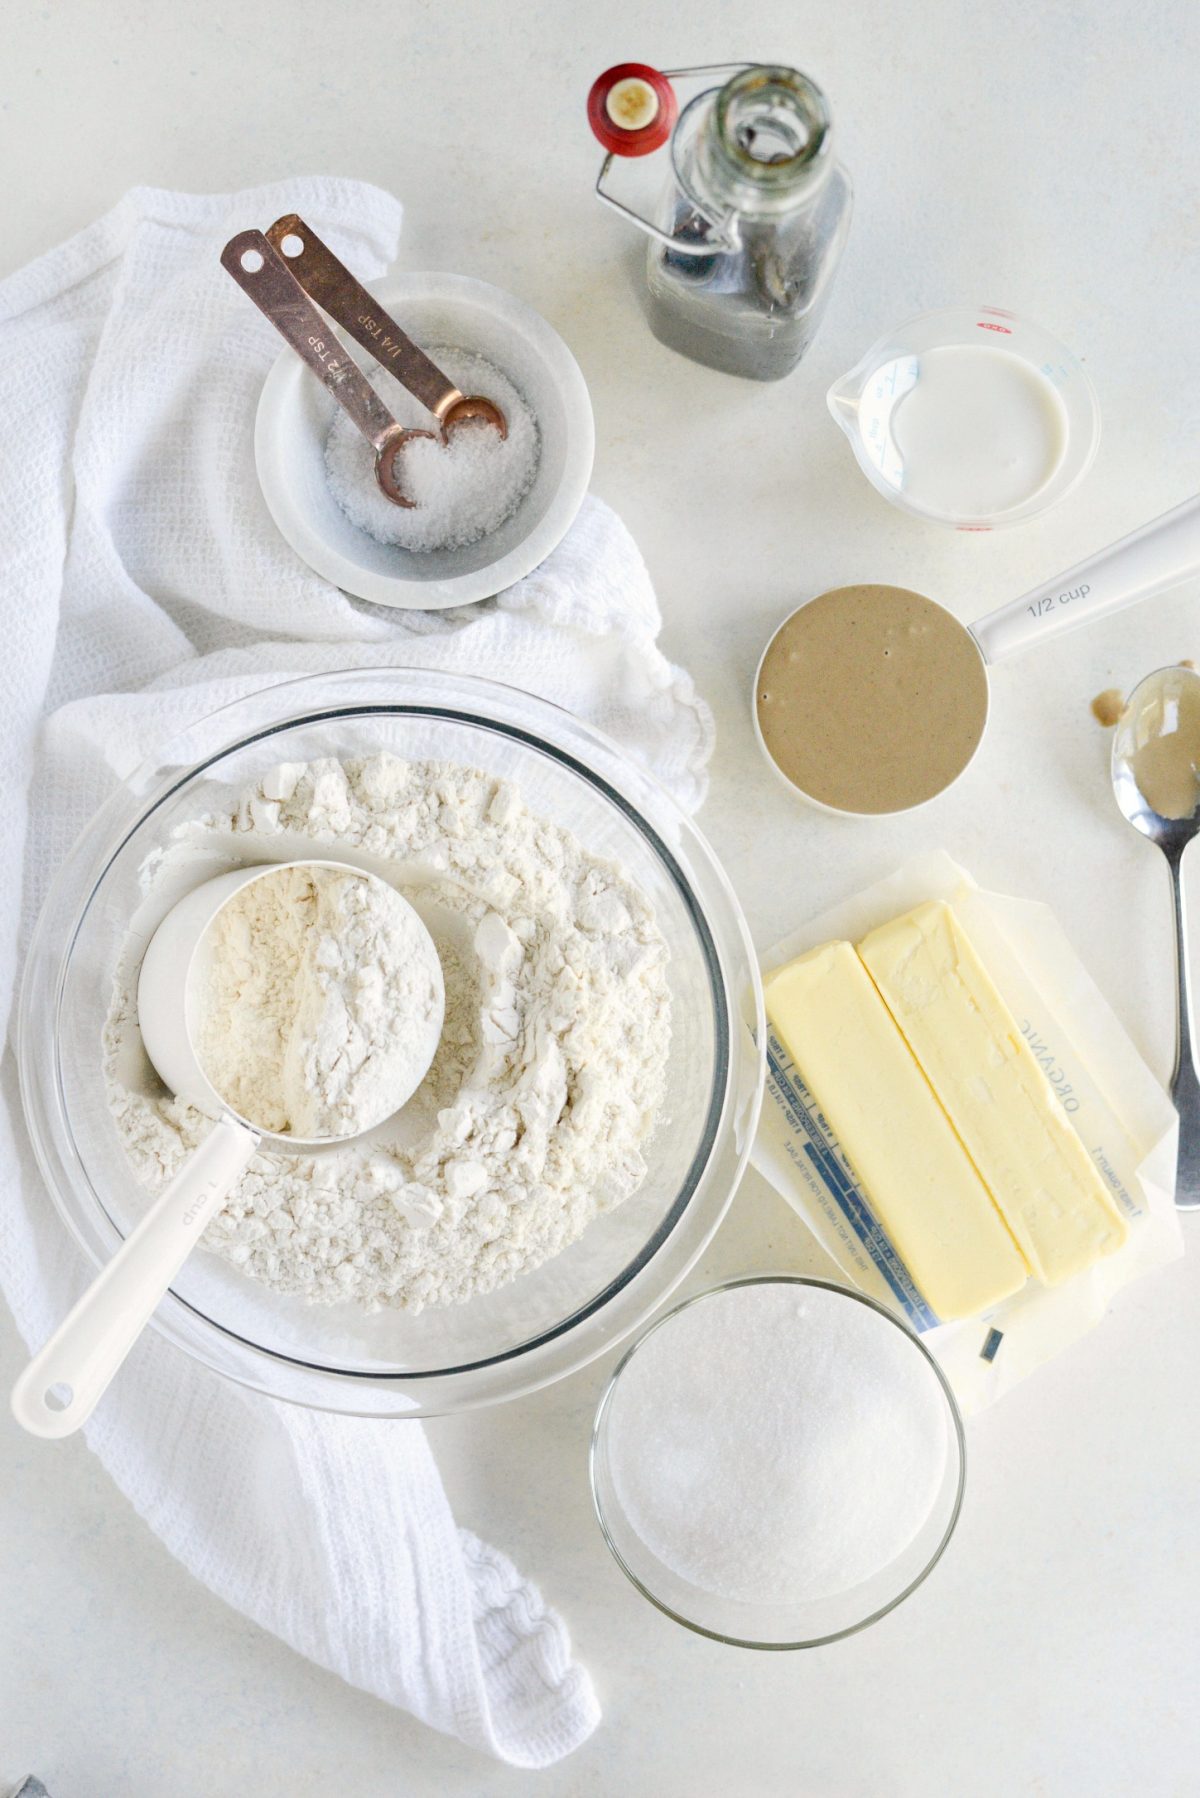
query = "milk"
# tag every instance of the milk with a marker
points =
(979, 432)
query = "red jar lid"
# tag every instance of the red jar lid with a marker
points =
(632, 109)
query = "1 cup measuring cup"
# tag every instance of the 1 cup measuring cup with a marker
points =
(62, 1384)
(976, 385)
(873, 700)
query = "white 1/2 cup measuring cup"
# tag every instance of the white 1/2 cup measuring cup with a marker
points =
(61, 1386)
(865, 404)
(1147, 562)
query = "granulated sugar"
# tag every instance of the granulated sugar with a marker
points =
(777, 1443)
(463, 489)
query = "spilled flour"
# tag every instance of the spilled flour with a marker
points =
(550, 1070)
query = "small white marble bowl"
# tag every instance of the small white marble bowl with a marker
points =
(295, 413)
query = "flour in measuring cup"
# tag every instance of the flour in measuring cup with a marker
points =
(313, 1000)
(535, 1114)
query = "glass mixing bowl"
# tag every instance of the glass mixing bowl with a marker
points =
(786, 1622)
(544, 1324)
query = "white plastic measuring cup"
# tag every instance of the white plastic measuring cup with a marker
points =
(66, 1378)
(1149, 561)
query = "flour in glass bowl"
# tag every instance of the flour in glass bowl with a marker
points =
(535, 1114)
(462, 489)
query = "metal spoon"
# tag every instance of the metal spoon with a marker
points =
(1157, 735)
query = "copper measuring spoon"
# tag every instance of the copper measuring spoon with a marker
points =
(330, 283)
(260, 270)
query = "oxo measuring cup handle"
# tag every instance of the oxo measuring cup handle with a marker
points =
(60, 1388)
(265, 277)
(1148, 561)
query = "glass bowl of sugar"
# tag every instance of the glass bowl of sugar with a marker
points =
(778, 1462)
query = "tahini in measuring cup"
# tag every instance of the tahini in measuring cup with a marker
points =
(872, 699)
(62, 1384)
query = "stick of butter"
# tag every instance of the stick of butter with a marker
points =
(974, 1056)
(897, 1138)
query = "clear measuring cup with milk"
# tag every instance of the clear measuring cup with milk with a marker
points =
(748, 231)
(970, 417)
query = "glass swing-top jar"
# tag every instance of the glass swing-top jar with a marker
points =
(755, 215)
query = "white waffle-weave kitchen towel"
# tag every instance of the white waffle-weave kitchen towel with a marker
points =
(144, 584)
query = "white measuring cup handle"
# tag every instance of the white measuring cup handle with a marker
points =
(1148, 561)
(60, 1388)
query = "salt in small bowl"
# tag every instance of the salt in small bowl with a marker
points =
(294, 417)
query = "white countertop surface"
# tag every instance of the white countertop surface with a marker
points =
(1036, 156)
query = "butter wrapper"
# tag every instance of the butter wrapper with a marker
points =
(1124, 1118)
